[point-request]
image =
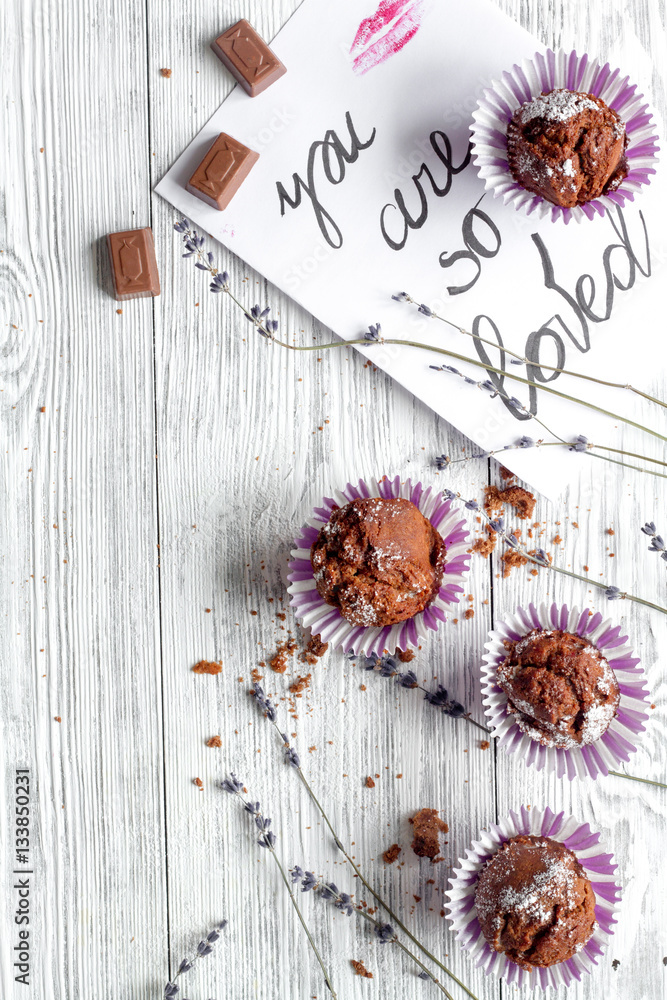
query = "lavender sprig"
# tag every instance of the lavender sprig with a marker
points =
(268, 328)
(204, 948)
(657, 541)
(389, 666)
(517, 359)
(442, 462)
(342, 901)
(579, 444)
(539, 557)
(267, 839)
(348, 857)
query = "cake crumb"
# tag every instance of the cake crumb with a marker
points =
(484, 744)
(506, 475)
(300, 684)
(427, 827)
(516, 497)
(214, 741)
(469, 613)
(198, 782)
(207, 667)
(390, 855)
(166, 73)
(610, 531)
(57, 718)
(369, 782)
(511, 559)
(285, 650)
(485, 545)
(360, 969)
(405, 655)
(315, 648)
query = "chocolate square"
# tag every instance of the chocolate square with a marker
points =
(222, 171)
(133, 264)
(248, 58)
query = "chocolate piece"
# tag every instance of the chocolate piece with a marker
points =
(135, 274)
(222, 171)
(248, 58)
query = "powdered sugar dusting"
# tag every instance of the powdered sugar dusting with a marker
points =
(557, 106)
(589, 676)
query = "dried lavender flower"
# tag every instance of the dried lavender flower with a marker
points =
(442, 461)
(204, 948)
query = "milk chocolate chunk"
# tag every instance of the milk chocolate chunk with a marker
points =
(133, 264)
(248, 58)
(222, 171)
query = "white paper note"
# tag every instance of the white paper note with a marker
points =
(344, 249)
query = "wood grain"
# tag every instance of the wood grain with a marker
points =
(169, 425)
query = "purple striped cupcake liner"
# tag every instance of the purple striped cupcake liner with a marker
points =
(313, 613)
(592, 855)
(614, 746)
(545, 72)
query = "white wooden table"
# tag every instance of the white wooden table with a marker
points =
(155, 464)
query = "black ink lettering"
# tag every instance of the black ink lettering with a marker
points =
(533, 344)
(476, 248)
(417, 221)
(499, 380)
(550, 282)
(330, 144)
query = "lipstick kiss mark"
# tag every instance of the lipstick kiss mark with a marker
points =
(385, 33)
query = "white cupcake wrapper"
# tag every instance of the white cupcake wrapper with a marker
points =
(615, 746)
(545, 72)
(313, 613)
(591, 854)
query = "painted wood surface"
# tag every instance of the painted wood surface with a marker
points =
(155, 463)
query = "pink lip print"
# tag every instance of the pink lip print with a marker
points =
(385, 33)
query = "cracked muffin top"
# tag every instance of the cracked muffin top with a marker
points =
(378, 561)
(560, 688)
(567, 147)
(535, 902)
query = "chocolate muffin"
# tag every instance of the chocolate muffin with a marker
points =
(378, 561)
(567, 146)
(534, 902)
(560, 688)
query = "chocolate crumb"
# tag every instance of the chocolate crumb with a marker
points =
(207, 667)
(285, 650)
(521, 500)
(300, 684)
(214, 741)
(511, 559)
(485, 545)
(390, 855)
(360, 969)
(315, 649)
(427, 827)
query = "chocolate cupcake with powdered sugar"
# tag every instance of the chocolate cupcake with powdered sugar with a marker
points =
(560, 688)
(563, 690)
